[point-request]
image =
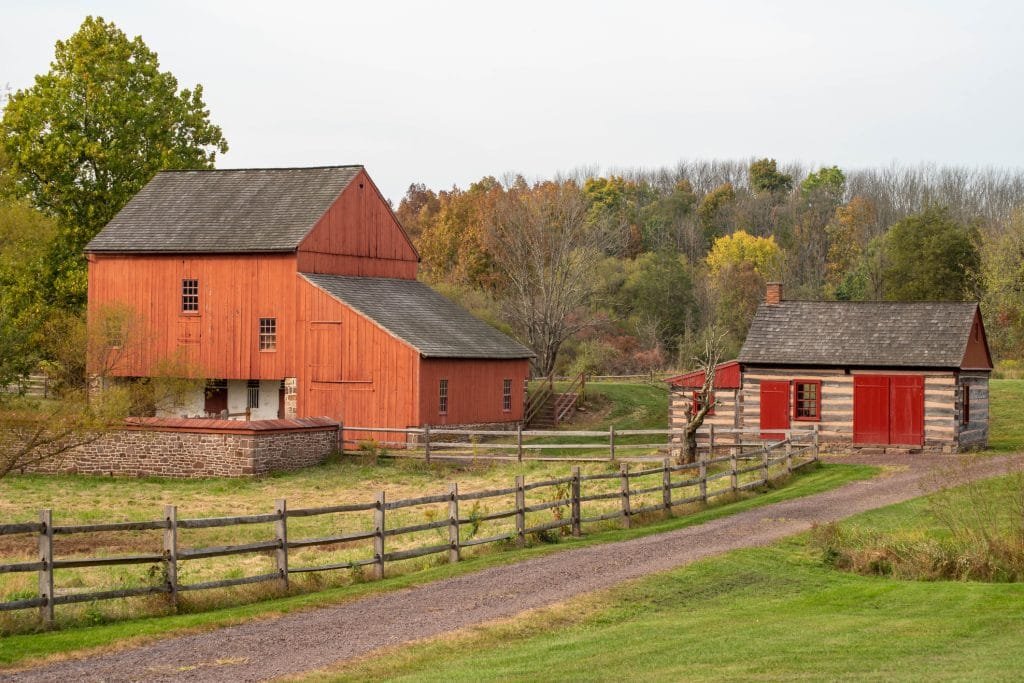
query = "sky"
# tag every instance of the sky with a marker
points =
(445, 93)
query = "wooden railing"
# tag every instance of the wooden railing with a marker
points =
(479, 444)
(566, 503)
(566, 401)
(537, 399)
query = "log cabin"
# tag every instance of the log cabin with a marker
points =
(882, 374)
(293, 292)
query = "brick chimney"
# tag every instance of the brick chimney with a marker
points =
(774, 294)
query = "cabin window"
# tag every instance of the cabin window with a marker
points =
(807, 399)
(442, 397)
(268, 334)
(190, 296)
(506, 395)
(967, 404)
(697, 404)
(252, 391)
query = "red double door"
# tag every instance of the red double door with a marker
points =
(888, 409)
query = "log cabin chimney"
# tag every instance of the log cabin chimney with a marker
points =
(774, 294)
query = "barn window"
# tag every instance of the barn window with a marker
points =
(506, 395)
(697, 404)
(252, 394)
(967, 404)
(442, 397)
(807, 399)
(268, 334)
(190, 296)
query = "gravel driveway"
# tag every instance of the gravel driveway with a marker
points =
(317, 638)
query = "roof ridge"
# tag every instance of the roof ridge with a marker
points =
(259, 168)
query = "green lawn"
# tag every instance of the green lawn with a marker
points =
(776, 613)
(1006, 404)
(16, 649)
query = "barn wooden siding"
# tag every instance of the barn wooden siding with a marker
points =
(836, 424)
(973, 434)
(222, 340)
(353, 370)
(474, 390)
(359, 235)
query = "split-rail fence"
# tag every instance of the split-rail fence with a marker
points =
(568, 516)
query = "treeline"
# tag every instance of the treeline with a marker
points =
(629, 271)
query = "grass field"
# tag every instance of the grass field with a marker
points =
(91, 630)
(777, 613)
(1007, 415)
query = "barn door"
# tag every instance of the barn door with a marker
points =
(907, 408)
(774, 409)
(888, 409)
(870, 409)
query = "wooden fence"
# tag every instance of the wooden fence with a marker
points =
(484, 444)
(571, 496)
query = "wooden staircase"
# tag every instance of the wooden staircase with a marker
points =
(546, 408)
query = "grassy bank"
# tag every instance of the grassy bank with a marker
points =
(16, 649)
(778, 613)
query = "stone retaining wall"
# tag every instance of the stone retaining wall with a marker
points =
(188, 448)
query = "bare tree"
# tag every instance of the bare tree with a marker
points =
(545, 250)
(695, 411)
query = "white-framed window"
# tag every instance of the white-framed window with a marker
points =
(442, 397)
(506, 395)
(190, 295)
(268, 334)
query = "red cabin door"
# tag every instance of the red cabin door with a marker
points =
(907, 406)
(888, 409)
(774, 409)
(871, 409)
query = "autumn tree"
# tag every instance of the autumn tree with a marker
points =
(1003, 279)
(820, 194)
(931, 256)
(544, 250)
(766, 177)
(712, 212)
(694, 412)
(452, 242)
(417, 209)
(738, 267)
(91, 132)
(849, 232)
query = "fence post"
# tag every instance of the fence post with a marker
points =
(378, 538)
(789, 456)
(711, 441)
(281, 531)
(426, 442)
(341, 438)
(666, 486)
(575, 501)
(611, 442)
(171, 552)
(734, 482)
(453, 522)
(815, 451)
(624, 489)
(703, 476)
(46, 573)
(764, 463)
(519, 442)
(520, 512)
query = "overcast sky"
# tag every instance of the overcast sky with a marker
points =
(447, 92)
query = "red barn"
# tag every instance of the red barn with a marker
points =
(904, 374)
(294, 292)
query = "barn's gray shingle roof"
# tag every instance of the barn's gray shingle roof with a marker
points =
(223, 211)
(419, 316)
(860, 333)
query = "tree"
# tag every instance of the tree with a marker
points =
(827, 183)
(658, 293)
(695, 412)
(1003, 278)
(766, 177)
(712, 211)
(741, 247)
(92, 131)
(544, 251)
(417, 209)
(930, 256)
(848, 232)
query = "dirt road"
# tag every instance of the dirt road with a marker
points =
(313, 639)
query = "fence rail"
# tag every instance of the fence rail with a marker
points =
(428, 442)
(567, 510)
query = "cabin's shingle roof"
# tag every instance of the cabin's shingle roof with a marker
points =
(223, 211)
(859, 334)
(419, 316)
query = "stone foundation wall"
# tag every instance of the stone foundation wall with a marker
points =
(207, 450)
